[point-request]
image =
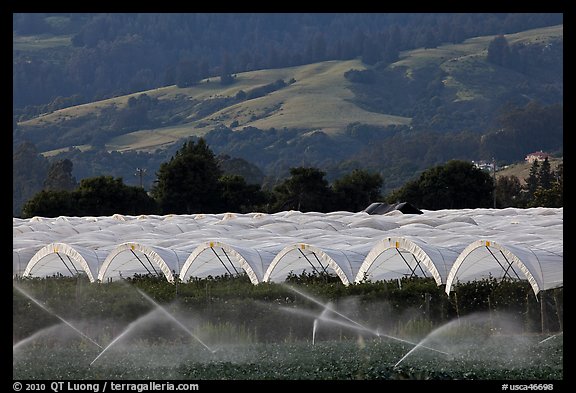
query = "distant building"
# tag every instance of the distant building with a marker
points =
(536, 156)
(484, 165)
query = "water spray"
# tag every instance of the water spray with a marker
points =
(314, 326)
(158, 308)
(56, 315)
(26, 340)
(175, 320)
(119, 336)
(476, 317)
(408, 353)
(551, 337)
(320, 317)
(355, 325)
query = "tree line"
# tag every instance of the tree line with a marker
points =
(263, 157)
(192, 181)
(542, 187)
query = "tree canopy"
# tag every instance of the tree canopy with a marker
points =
(356, 190)
(305, 190)
(60, 176)
(29, 170)
(97, 196)
(454, 185)
(192, 182)
(188, 183)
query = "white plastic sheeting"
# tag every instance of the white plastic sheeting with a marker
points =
(542, 268)
(233, 260)
(130, 258)
(63, 259)
(449, 245)
(396, 257)
(300, 257)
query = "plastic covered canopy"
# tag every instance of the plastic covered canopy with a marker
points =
(63, 259)
(451, 246)
(542, 268)
(130, 258)
(401, 256)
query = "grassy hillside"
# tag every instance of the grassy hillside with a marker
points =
(468, 79)
(317, 100)
(39, 42)
(522, 169)
(316, 97)
(451, 54)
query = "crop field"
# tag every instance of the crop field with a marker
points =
(228, 329)
(504, 357)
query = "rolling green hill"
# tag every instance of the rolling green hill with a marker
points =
(319, 99)
(315, 97)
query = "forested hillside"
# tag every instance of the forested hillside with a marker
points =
(65, 59)
(392, 93)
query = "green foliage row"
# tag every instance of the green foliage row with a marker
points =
(258, 340)
(410, 307)
(341, 361)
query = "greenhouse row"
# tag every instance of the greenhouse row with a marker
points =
(451, 246)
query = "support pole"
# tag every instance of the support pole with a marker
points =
(558, 312)
(456, 304)
(494, 179)
(542, 312)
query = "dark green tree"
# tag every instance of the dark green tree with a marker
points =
(187, 73)
(532, 179)
(305, 190)
(51, 204)
(317, 48)
(239, 196)
(29, 169)
(251, 173)
(558, 185)
(60, 177)
(371, 52)
(226, 77)
(188, 183)
(30, 23)
(356, 190)
(203, 68)
(106, 195)
(545, 176)
(553, 196)
(524, 129)
(498, 51)
(454, 185)
(508, 192)
(559, 175)
(95, 196)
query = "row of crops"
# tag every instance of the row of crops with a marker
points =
(497, 359)
(312, 327)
